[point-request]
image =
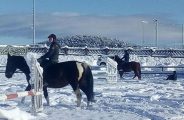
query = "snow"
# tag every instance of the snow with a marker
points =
(152, 98)
(15, 114)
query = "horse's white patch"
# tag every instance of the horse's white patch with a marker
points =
(80, 69)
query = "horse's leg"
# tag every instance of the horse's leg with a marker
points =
(135, 74)
(139, 70)
(46, 94)
(79, 96)
(28, 88)
(121, 73)
(138, 74)
(77, 92)
(139, 77)
(85, 89)
(28, 77)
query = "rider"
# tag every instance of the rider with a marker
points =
(51, 57)
(126, 56)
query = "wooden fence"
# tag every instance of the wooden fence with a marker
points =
(153, 69)
(22, 50)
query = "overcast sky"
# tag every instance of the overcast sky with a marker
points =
(128, 20)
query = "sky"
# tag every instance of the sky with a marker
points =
(130, 20)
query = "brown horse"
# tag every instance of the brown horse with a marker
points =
(128, 67)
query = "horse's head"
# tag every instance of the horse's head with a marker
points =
(117, 59)
(10, 66)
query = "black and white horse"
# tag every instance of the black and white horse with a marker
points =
(77, 74)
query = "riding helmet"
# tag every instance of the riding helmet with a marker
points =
(52, 36)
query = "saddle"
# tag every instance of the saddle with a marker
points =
(44, 63)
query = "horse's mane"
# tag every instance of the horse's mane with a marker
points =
(118, 59)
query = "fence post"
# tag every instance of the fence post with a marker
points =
(37, 85)
(111, 71)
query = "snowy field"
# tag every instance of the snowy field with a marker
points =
(152, 98)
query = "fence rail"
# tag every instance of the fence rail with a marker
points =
(154, 69)
(115, 51)
(21, 50)
(163, 67)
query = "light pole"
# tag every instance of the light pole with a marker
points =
(142, 23)
(182, 36)
(156, 32)
(33, 22)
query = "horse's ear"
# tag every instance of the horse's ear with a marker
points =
(9, 55)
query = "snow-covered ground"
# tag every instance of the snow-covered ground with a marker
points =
(152, 98)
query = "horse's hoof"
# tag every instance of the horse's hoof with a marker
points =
(46, 104)
(89, 106)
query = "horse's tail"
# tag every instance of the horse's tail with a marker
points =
(91, 84)
(88, 77)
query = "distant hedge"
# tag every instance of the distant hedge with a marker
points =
(90, 41)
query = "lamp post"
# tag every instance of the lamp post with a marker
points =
(142, 23)
(33, 22)
(156, 32)
(182, 36)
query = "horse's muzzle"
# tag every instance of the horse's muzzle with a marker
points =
(8, 75)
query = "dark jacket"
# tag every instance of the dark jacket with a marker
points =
(172, 77)
(126, 57)
(53, 53)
